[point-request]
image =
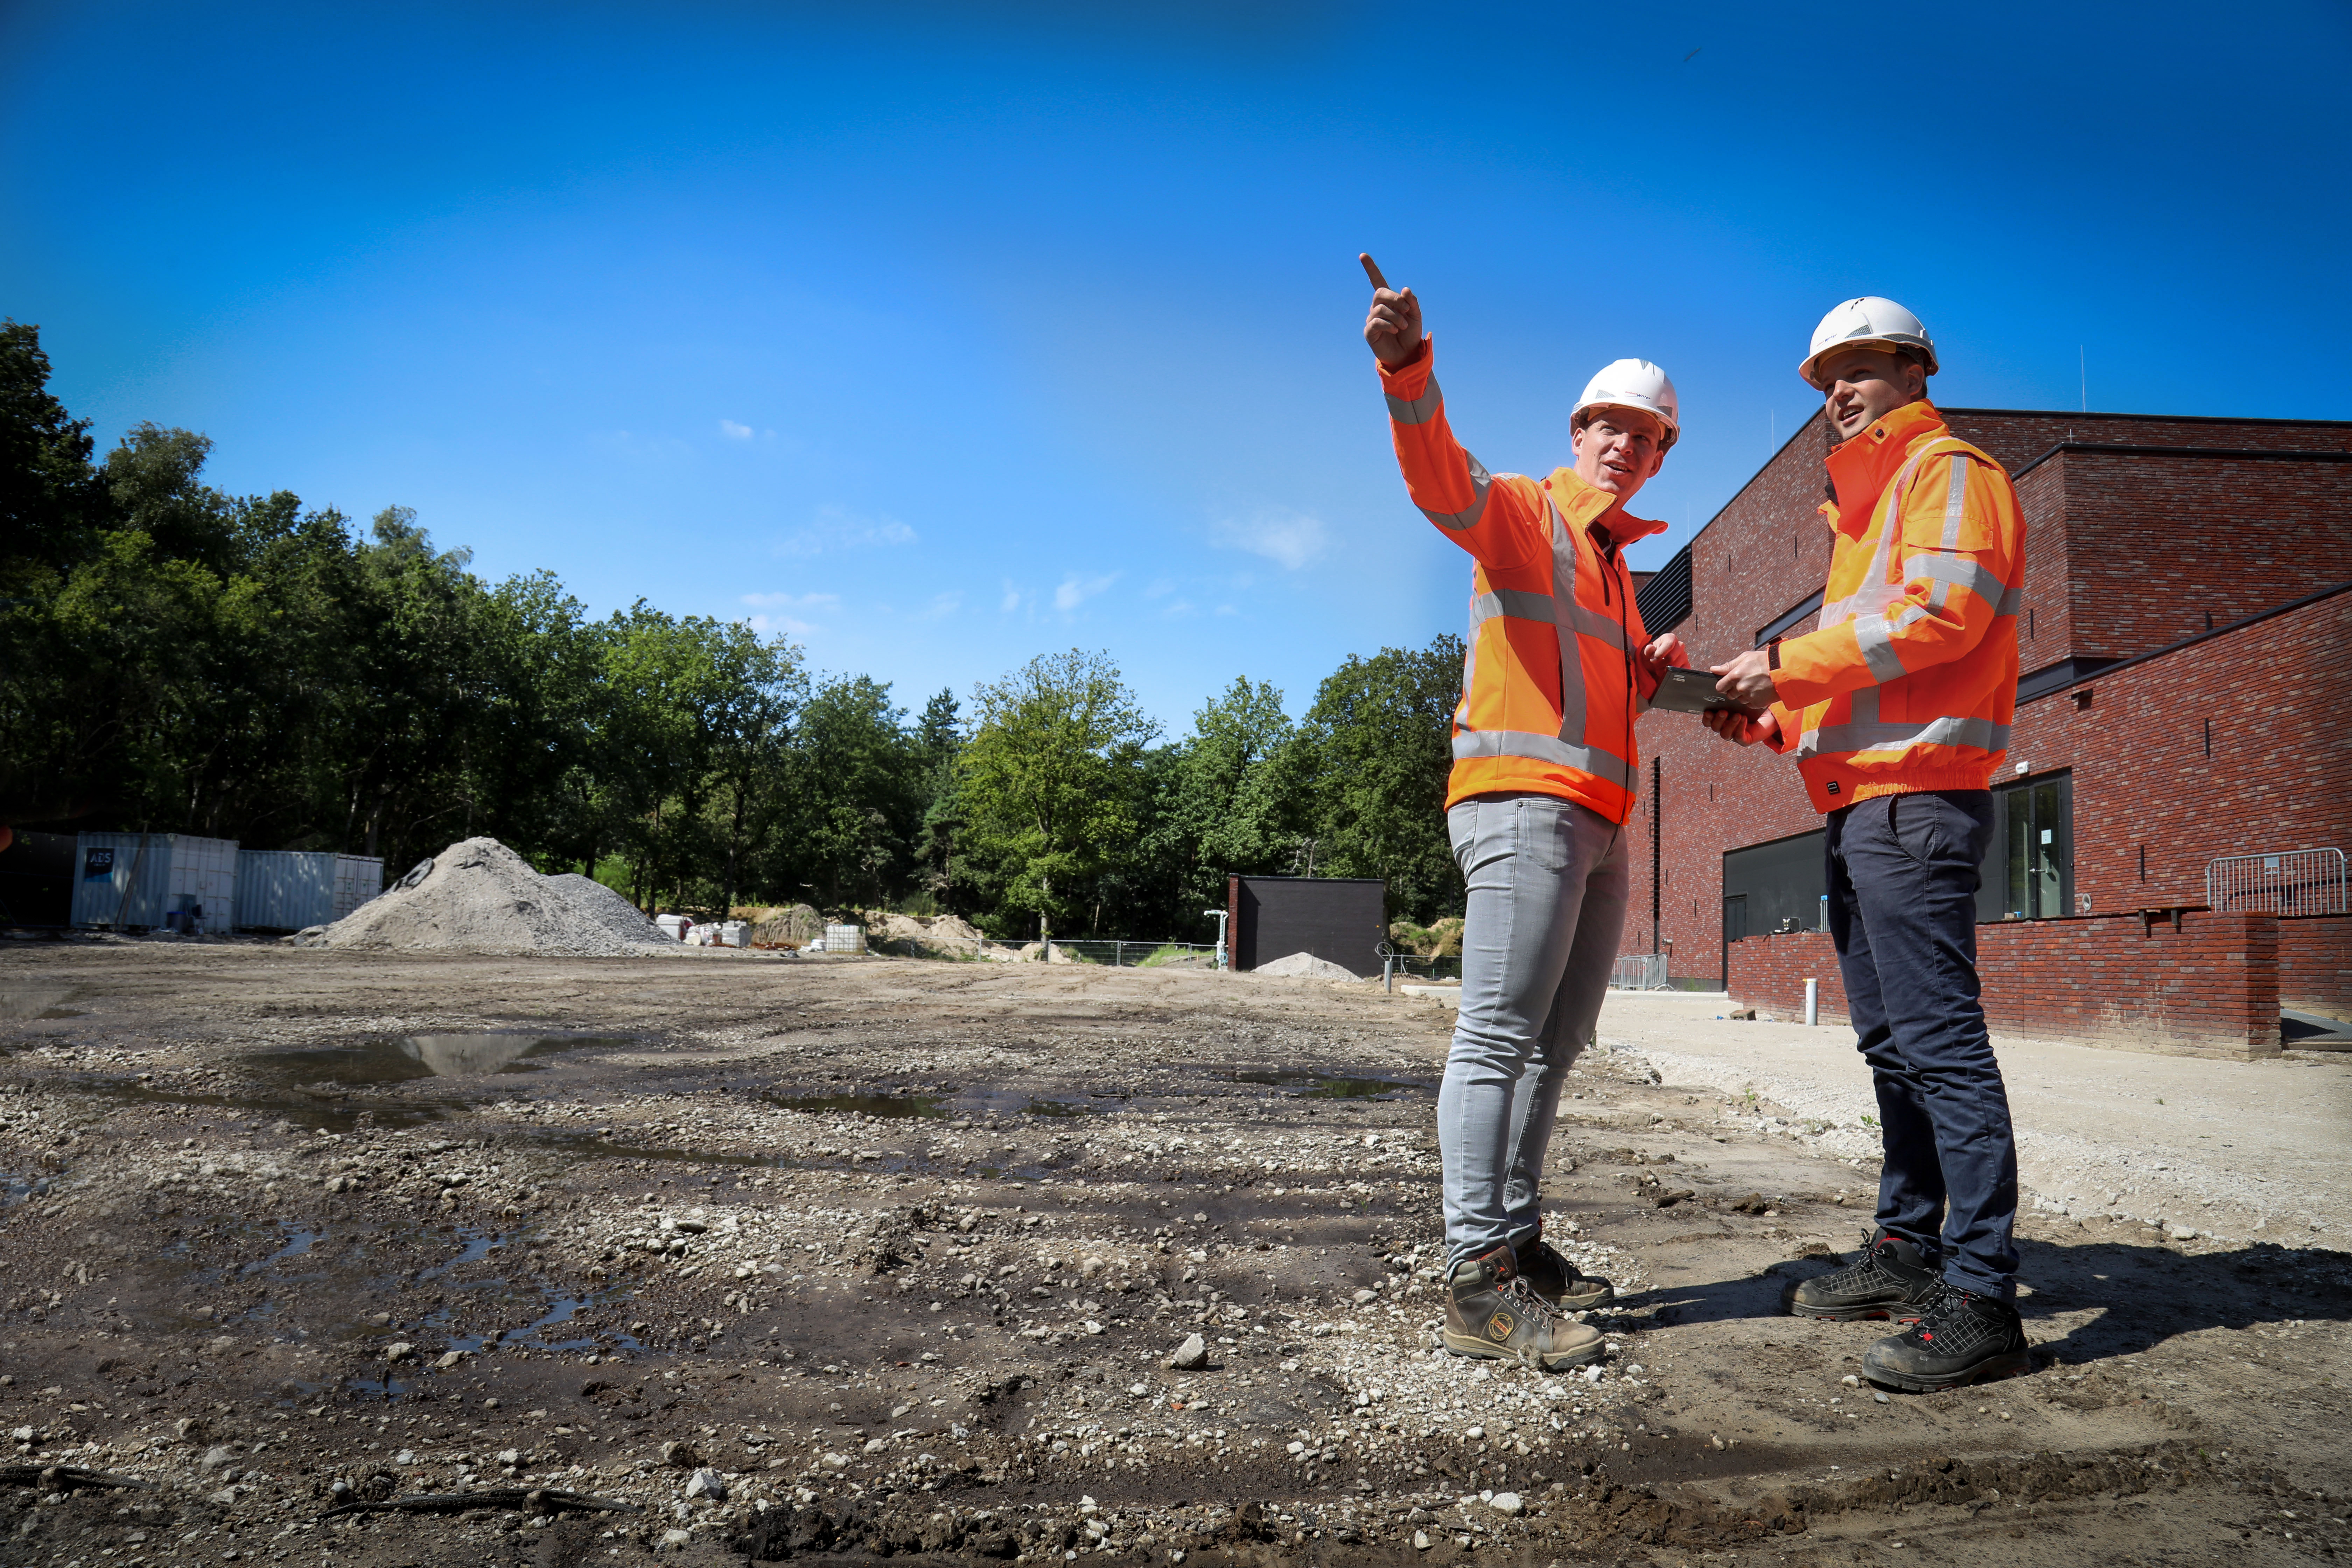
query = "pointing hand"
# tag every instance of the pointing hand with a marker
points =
(1392, 326)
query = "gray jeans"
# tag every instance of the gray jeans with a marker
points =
(1548, 886)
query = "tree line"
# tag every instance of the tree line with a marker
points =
(173, 658)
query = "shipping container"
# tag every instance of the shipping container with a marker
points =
(290, 890)
(160, 880)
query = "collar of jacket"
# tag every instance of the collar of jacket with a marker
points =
(1583, 505)
(1861, 468)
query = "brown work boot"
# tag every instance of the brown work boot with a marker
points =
(1556, 1279)
(1491, 1313)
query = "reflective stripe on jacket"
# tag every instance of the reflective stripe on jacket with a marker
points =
(1550, 685)
(1910, 681)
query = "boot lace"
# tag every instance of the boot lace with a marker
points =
(1868, 1274)
(1523, 1297)
(1951, 1328)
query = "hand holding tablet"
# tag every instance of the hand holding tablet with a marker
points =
(1682, 691)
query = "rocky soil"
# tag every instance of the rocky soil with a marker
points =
(894, 1257)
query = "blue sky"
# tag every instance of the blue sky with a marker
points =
(939, 335)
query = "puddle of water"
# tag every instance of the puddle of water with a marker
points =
(1056, 1108)
(44, 1003)
(297, 1242)
(560, 1309)
(588, 1146)
(14, 1190)
(403, 1058)
(1328, 1085)
(888, 1107)
(477, 1246)
(336, 1115)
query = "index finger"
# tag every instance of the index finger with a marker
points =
(1371, 269)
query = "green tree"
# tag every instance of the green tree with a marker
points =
(860, 777)
(1371, 761)
(939, 741)
(1052, 775)
(52, 502)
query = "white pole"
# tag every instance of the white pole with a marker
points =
(1812, 1003)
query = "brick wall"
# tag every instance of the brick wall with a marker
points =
(2015, 437)
(2147, 794)
(2209, 988)
(2164, 546)
(2314, 964)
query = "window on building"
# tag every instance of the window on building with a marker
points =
(2029, 871)
(1773, 887)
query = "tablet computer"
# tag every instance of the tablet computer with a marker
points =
(1684, 691)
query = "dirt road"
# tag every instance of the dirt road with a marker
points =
(867, 1258)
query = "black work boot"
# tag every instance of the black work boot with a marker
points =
(1892, 1280)
(1964, 1337)
(1490, 1312)
(1556, 1279)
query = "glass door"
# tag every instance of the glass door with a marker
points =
(2035, 831)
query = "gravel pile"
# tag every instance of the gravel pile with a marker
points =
(595, 901)
(1305, 966)
(481, 897)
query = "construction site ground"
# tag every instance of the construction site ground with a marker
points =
(859, 1257)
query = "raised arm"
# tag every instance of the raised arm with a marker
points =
(1495, 519)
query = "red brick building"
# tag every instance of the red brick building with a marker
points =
(2188, 609)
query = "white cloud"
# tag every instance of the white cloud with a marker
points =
(1290, 538)
(1181, 607)
(1012, 600)
(734, 432)
(1076, 590)
(794, 601)
(944, 604)
(836, 528)
(763, 625)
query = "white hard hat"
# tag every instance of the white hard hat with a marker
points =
(1632, 384)
(1869, 322)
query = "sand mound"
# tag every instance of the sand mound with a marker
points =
(945, 937)
(796, 924)
(1306, 966)
(482, 897)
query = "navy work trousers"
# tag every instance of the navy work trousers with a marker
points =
(1903, 874)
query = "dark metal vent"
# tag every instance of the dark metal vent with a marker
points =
(1666, 598)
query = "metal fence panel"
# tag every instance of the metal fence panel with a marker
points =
(1639, 972)
(2287, 882)
(1130, 955)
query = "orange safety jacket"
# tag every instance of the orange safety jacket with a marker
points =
(1550, 685)
(1910, 680)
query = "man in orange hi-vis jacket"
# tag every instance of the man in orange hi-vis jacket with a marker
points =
(1544, 774)
(1898, 709)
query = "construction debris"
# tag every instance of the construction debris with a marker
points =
(62, 1478)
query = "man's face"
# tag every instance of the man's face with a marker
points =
(1862, 385)
(1618, 449)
